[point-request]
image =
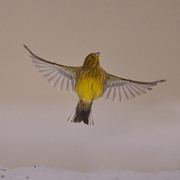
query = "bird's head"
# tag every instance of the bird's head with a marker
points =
(92, 59)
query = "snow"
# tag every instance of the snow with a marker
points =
(53, 173)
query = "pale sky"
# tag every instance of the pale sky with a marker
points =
(137, 39)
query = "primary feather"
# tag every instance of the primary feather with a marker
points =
(121, 89)
(60, 76)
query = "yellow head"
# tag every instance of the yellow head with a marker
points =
(92, 59)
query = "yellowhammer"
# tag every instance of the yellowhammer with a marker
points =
(90, 82)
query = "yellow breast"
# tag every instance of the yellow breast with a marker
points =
(90, 83)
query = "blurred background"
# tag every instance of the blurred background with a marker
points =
(137, 39)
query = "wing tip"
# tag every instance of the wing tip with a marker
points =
(161, 80)
(26, 47)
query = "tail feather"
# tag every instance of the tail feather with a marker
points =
(83, 113)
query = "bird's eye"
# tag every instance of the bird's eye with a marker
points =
(92, 57)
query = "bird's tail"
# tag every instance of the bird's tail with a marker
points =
(82, 112)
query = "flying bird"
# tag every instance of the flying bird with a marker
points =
(90, 82)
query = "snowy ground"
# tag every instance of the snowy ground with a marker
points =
(49, 173)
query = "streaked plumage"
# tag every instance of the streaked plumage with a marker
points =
(90, 82)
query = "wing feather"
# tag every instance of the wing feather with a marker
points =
(60, 76)
(121, 89)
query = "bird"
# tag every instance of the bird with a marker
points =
(90, 82)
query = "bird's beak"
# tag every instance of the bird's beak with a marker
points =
(98, 53)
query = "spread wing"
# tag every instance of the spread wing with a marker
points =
(60, 76)
(123, 89)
